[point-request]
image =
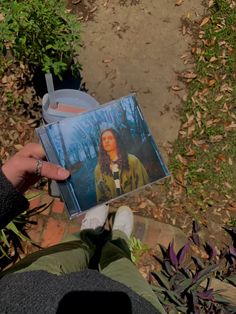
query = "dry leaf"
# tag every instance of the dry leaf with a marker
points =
(221, 26)
(216, 138)
(200, 170)
(209, 123)
(211, 3)
(176, 87)
(219, 97)
(211, 82)
(232, 207)
(189, 122)
(228, 185)
(180, 177)
(199, 115)
(226, 88)
(221, 157)
(183, 133)
(30, 121)
(182, 160)
(225, 108)
(150, 203)
(12, 121)
(1, 17)
(233, 116)
(201, 34)
(190, 131)
(142, 205)
(107, 60)
(205, 147)
(93, 9)
(232, 5)
(18, 147)
(199, 51)
(191, 152)
(189, 75)
(178, 2)
(198, 143)
(193, 100)
(184, 56)
(230, 161)
(232, 125)
(205, 20)
(199, 123)
(213, 59)
(4, 80)
(224, 77)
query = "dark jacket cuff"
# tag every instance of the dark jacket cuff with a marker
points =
(12, 202)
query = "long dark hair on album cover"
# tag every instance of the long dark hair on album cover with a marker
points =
(104, 159)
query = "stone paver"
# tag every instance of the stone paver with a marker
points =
(54, 225)
(53, 232)
(58, 207)
(35, 231)
(152, 233)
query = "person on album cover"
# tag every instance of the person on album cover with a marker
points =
(117, 172)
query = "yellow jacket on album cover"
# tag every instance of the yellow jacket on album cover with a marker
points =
(130, 180)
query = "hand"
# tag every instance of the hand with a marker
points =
(20, 170)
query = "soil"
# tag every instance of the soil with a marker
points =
(138, 49)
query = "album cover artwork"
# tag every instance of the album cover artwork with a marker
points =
(109, 152)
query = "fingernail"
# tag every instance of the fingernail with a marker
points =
(63, 173)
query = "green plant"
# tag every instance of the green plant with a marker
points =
(12, 235)
(40, 33)
(185, 287)
(137, 248)
(231, 222)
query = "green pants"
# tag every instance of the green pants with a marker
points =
(92, 249)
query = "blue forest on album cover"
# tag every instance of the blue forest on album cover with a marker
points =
(77, 144)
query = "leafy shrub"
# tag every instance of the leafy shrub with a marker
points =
(40, 33)
(179, 287)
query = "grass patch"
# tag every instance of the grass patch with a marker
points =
(204, 155)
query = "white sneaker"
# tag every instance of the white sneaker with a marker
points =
(95, 217)
(124, 220)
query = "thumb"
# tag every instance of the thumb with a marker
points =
(54, 172)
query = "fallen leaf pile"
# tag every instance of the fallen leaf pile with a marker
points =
(20, 109)
(204, 156)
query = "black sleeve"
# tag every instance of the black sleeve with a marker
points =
(12, 203)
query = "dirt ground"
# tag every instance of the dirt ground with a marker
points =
(138, 48)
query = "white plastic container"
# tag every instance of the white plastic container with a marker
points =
(70, 102)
